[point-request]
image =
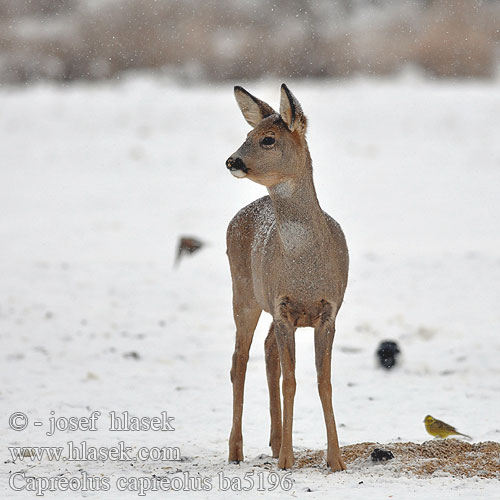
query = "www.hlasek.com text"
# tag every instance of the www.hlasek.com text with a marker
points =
(83, 452)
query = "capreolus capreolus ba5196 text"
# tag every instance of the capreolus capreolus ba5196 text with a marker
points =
(288, 258)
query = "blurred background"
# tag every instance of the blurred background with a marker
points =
(66, 40)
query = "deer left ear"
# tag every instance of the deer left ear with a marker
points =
(291, 111)
(254, 110)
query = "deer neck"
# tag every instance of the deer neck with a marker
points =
(299, 217)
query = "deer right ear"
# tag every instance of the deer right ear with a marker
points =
(254, 110)
(291, 111)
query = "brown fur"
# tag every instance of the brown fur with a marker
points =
(288, 258)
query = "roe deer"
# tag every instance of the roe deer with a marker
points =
(288, 258)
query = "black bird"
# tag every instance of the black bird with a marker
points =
(380, 455)
(387, 353)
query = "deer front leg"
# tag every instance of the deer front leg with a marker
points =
(246, 320)
(285, 339)
(273, 381)
(323, 341)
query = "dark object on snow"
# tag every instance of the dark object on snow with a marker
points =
(187, 245)
(131, 355)
(380, 455)
(387, 353)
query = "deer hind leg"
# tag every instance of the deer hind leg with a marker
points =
(284, 331)
(323, 342)
(246, 320)
(273, 381)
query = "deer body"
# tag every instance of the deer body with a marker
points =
(288, 258)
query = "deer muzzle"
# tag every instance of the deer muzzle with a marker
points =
(236, 166)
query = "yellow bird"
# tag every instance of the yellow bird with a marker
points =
(439, 428)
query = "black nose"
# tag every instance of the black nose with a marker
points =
(236, 164)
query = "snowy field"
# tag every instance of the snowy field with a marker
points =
(97, 183)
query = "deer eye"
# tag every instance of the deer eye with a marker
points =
(268, 141)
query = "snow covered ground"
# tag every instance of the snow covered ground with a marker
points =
(97, 182)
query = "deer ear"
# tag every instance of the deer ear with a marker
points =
(291, 111)
(254, 110)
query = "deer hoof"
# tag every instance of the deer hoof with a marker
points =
(336, 463)
(235, 456)
(275, 444)
(286, 461)
(235, 450)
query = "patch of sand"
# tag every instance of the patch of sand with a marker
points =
(450, 457)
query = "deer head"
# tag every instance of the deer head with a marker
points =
(275, 150)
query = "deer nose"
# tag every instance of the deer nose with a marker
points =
(236, 164)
